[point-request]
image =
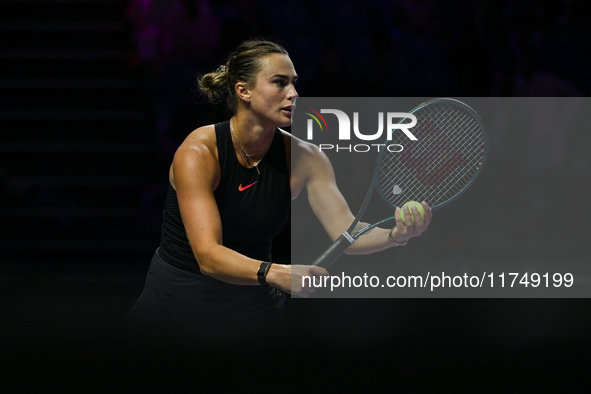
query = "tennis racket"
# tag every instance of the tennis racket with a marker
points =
(446, 158)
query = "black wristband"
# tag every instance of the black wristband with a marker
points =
(262, 272)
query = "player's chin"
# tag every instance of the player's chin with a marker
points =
(286, 119)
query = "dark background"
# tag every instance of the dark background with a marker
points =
(95, 97)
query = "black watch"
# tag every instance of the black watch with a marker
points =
(262, 273)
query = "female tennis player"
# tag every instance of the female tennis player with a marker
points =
(230, 190)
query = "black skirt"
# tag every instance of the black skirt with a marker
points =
(178, 305)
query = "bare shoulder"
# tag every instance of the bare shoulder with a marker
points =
(300, 148)
(196, 157)
(203, 137)
(308, 163)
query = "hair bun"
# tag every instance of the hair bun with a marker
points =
(242, 66)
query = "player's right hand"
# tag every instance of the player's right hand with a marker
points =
(295, 279)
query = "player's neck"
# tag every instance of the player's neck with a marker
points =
(254, 137)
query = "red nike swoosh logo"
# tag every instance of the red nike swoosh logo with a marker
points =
(243, 188)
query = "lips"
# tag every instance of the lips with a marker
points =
(288, 108)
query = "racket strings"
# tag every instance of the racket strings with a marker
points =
(470, 154)
(446, 146)
(441, 163)
(448, 165)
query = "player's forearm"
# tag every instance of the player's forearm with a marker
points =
(375, 240)
(228, 266)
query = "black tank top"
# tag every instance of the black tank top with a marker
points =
(253, 208)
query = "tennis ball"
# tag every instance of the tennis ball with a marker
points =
(411, 204)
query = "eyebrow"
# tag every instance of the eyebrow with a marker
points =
(283, 76)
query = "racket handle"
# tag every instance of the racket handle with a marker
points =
(334, 251)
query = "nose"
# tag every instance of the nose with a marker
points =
(293, 93)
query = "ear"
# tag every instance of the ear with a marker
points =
(242, 91)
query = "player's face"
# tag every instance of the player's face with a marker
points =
(273, 96)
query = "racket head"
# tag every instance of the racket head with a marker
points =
(447, 157)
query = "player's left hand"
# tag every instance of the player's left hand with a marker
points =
(401, 232)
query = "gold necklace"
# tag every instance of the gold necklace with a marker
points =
(243, 153)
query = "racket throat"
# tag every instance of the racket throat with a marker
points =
(348, 237)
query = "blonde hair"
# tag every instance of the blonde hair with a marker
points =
(242, 66)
